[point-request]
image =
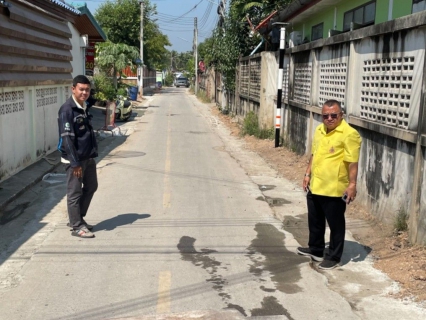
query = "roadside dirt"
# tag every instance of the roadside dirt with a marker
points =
(392, 252)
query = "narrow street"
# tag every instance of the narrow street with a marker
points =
(185, 225)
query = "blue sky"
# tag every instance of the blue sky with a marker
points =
(176, 20)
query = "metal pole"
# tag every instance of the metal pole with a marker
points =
(196, 55)
(141, 52)
(280, 85)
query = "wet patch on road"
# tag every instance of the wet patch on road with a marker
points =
(276, 202)
(15, 212)
(266, 187)
(238, 308)
(267, 289)
(282, 264)
(202, 259)
(270, 307)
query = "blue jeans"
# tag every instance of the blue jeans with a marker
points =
(332, 210)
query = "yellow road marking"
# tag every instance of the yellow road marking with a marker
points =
(163, 301)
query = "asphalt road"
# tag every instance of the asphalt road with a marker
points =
(188, 224)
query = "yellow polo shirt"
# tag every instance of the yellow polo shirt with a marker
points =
(332, 152)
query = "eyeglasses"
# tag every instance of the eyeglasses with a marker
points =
(332, 115)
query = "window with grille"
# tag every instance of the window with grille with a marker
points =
(47, 97)
(387, 89)
(11, 102)
(363, 15)
(317, 31)
(332, 82)
(302, 82)
(419, 5)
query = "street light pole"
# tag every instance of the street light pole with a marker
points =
(141, 68)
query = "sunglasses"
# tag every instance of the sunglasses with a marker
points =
(332, 115)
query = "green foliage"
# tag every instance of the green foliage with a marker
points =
(168, 81)
(120, 19)
(401, 218)
(104, 87)
(190, 67)
(267, 133)
(115, 57)
(251, 127)
(122, 92)
(234, 39)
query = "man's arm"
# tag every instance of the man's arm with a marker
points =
(307, 177)
(351, 189)
(67, 136)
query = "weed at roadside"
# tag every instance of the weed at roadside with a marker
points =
(251, 127)
(401, 217)
(202, 96)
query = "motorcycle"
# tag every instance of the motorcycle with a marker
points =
(123, 109)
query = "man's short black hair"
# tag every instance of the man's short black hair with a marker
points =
(332, 102)
(80, 79)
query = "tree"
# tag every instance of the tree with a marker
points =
(115, 57)
(120, 19)
(233, 37)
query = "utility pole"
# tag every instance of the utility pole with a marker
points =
(221, 10)
(141, 68)
(196, 55)
(280, 82)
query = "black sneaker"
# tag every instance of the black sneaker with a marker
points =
(328, 265)
(307, 252)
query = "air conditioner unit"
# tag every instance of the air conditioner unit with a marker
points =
(295, 38)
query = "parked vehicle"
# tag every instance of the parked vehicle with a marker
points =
(181, 82)
(123, 109)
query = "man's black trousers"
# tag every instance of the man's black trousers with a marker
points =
(80, 192)
(332, 209)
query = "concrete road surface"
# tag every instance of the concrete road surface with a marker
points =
(188, 225)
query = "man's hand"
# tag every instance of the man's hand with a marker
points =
(351, 192)
(77, 172)
(307, 177)
(351, 189)
(305, 182)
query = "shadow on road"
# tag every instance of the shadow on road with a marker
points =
(354, 252)
(120, 220)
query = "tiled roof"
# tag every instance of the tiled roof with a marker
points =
(65, 6)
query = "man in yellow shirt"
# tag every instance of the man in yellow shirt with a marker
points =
(330, 181)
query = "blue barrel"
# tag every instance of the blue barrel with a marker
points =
(133, 93)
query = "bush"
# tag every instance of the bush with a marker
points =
(122, 92)
(104, 87)
(250, 125)
(168, 81)
(401, 217)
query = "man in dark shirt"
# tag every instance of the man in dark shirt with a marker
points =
(77, 144)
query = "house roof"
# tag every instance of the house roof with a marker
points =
(62, 4)
(87, 24)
